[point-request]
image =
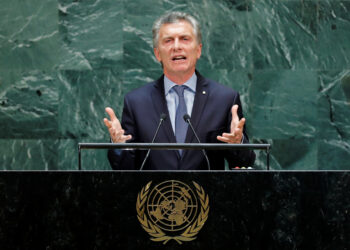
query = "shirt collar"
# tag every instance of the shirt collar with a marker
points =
(191, 83)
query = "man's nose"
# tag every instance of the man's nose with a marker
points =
(177, 44)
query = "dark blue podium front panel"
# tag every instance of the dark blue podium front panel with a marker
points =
(247, 210)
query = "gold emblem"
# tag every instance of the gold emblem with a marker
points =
(172, 211)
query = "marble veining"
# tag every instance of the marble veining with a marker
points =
(62, 62)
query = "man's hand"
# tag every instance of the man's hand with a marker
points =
(115, 129)
(236, 134)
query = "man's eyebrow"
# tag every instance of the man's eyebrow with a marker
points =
(182, 35)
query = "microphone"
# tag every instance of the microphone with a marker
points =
(187, 119)
(162, 118)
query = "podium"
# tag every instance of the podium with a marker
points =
(246, 209)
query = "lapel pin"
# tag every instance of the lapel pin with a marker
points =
(204, 92)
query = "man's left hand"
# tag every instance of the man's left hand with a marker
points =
(236, 134)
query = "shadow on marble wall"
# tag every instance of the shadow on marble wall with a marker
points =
(62, 62)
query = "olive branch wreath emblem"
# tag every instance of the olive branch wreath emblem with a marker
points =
(157, 233)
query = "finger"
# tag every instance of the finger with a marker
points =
(111, 114)
(126, 137)
(241, 124)
(235, 118)
(223, 139)
(234, 112)
(228, 135)
(238, 132)
(122, 138)
(107, 123)
(238, 136)
(231, 137)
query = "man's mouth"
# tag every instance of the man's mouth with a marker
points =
(178, 58)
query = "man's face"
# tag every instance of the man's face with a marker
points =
(178, 49)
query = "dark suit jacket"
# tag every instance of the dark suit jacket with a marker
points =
(211, 116)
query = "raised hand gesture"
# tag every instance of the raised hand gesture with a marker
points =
(236, 133)
(115, 129)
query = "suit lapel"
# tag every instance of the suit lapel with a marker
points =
(198, 105)
(160, 105)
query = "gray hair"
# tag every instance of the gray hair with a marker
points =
(175, 17)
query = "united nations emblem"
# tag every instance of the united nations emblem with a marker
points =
(172, 211)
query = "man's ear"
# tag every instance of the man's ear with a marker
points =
(199, 51)
(156, 53)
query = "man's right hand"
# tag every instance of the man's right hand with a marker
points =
(115, 129)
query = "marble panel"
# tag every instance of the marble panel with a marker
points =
(334, 113)
(62, 62)
(29, 35)
(334, 105)
(239, 80)
(262, 157)
(134, 78)
(29, 104)
(91, 159)
(294, 154)
(83, 98)
(334, 35)
(137, 36)
(283, 104)
(288, 154)
(285, 34)
(139, 63)
(333, 154)
(227, 35)
(19, 154)
(67, 154)
(91, 32)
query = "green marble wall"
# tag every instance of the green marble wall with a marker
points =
(62, 62)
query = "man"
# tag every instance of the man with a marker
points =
(215, 110)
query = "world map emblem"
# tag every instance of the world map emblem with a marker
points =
(172, 210)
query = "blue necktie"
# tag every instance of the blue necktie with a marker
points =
(180, 124)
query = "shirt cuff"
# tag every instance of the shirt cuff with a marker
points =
(116, 151)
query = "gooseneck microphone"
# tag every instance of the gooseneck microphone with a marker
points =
(187, 119)
(162, 118)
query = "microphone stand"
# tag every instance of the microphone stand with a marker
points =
(162, 118)
(187, 119)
